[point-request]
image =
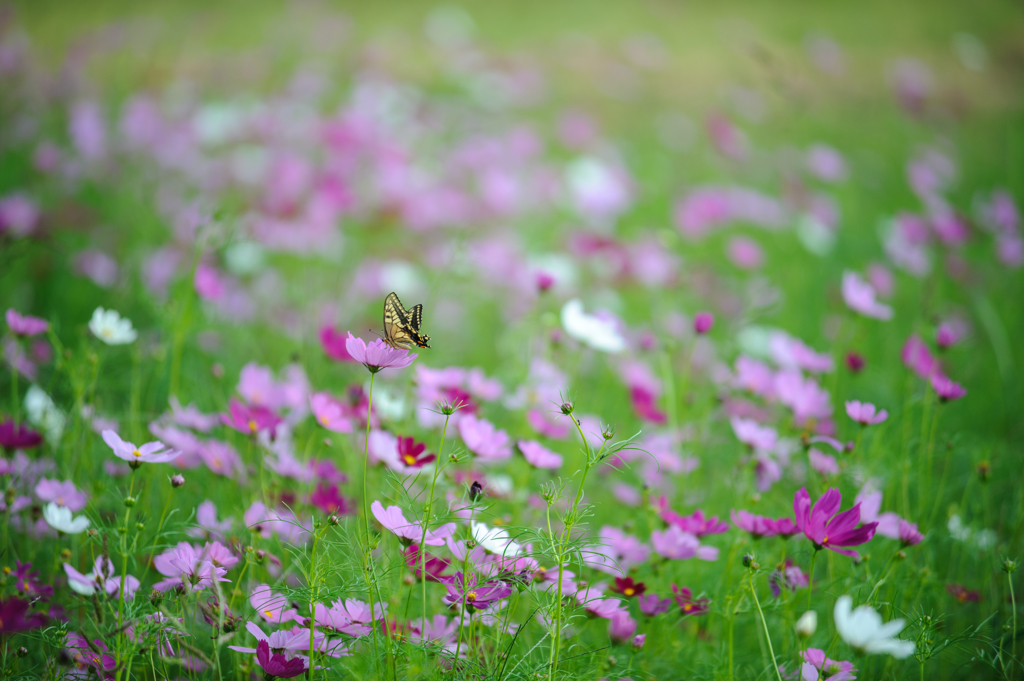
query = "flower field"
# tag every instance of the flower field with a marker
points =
(497, 341)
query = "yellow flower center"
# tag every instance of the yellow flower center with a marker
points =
(269, 614)
(471, 596)
(688, 607)
(252, 425)
(136, 453)
(628, 591)
(410, 460)
(60, 501)
(106, 332)
(825, 540)
(324, 420)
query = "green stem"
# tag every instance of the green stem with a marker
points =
(810, 579)
(764, 624)
(670, 390)
(124, 571)
(426, 526)
(367, 567)
(15, 402)
(928, 458)
(1013, 604)
(160, 525)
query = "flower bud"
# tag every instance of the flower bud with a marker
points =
(332, 520)
(567, 408)
(702, 322)
(807, 624)
(638, 641)
(1009, 566)
(129, 501)
(178, 480)
(156, 597)
(476, 490)
(750, 563)
(608, 433)
(22, 652)
(65, 555)
(140, 526)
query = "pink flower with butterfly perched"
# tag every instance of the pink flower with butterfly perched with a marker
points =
(378, 355)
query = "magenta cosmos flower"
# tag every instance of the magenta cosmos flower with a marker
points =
(865, 413)
(151, 452)
(702, 322)
(688, 605)
(333, 343)
(758, 526)
(250, 419)
(378, 354)
(18, 436)
(410, 453)
(484, 439)
(24, 325)
(826, 527)
(947, 389)
(817, 666)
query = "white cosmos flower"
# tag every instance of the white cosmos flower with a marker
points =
(111, 328)
(596, 332)
(44, 413)
(494, 540)
(60, 519)
(862, 628)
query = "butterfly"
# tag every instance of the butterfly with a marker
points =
(401, 326)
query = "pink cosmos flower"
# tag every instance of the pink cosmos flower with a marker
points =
(538, 455)
(221, 458)
(186, 568)
(621, 626)
(333, 342)
(859, 296)
(918, 358)
(803, 395)
(271, 607)
(702, 322)
(207, 525)
(250, 419)
(865, 413)
(350, 617)
(695, 523)
(549, 426)
(756, 525)
(822, 463)
(816, 666)
(151, 452)
(946, 388)
(645, 404)
(870, 500)
(909, 534)
(617, 552)
(826, 163)
(651, 605)
(745, 253)
(191, 417)
(276, 653)
(330, 412)
(378, 354)
(24, 325)
(19, 214)
(753, 434)
(61, 493)
(484, 439)
(330, 501)
(676, 544)
(950, 333)
(825, 527)
(394, 521)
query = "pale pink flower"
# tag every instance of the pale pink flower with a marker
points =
(538, 455)
(484, 439)
(859, 296)
(865, 413)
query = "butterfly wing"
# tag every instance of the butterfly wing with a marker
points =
(396, 326)
(414, 319)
